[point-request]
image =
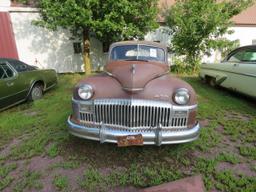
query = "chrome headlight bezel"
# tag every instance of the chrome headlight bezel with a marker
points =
(85, 91)
(181, 96)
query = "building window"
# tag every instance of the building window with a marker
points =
(77, 47)
(105, 47)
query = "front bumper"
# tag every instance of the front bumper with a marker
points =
(153, 137)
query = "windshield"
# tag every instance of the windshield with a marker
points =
(138, 52)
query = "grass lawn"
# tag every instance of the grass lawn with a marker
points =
(37, 153)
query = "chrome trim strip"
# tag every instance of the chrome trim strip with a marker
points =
(159, 135)
(14, 94)
(107, 111)
(136, 102)
(149, 137)
(2, 109)
(30, 88)
(221, 80)
(132, 89)
(110, 74)
(53, 85)
(244, 74)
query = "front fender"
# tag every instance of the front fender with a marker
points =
(211, 72)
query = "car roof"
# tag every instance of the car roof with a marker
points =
(151, 43)
(7, 59)
(11, 59)
(247, 47)
(239, 49)
(242, 48)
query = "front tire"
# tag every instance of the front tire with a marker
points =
(212, 82)
(36, 92)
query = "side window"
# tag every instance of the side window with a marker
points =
(243, 56)
(5, 71)
(19, 66)
(2, 73)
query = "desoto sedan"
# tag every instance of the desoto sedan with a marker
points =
(135, 101)
(20, 82)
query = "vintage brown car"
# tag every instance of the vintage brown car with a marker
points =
(135, 101)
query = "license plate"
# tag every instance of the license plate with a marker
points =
(129, 140)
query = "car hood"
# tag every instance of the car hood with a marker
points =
(134, 75)
(158, 89)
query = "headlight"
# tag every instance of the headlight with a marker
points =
(85, 92)
(181, 96)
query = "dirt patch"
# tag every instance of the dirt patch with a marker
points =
(240, 168)
(94, 153)
(220, 129)
(108, 170)
(6, 150)
(225, 145)
(16, 174)
(229, 145)
(49, 173)
(31, 113)
(39, 163)
(47, 184)
(43, 165)
(210, 154)
(73, 176)
(204, 123)
(237, 116)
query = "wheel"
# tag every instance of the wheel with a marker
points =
(212, 82)
(36, 92)
(203, 79)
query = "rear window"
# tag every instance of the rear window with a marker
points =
(20, 66)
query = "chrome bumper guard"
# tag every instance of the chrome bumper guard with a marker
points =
(156, 136)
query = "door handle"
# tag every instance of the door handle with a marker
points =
(9, 84)
(236, 65)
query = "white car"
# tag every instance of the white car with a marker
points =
(237, 71)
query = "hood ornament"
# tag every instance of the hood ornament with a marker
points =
(133, 67)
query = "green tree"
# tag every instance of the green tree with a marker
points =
(198, 26)
(108, 20)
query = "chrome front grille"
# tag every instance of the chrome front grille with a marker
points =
(133, 114)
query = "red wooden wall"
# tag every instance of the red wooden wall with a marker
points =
(8, 47)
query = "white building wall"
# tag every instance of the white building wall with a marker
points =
(5, 3)
(161, 34)
(245, 35)
(43, 48)
(97, 56)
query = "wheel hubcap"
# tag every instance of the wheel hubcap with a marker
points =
(36, 93)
